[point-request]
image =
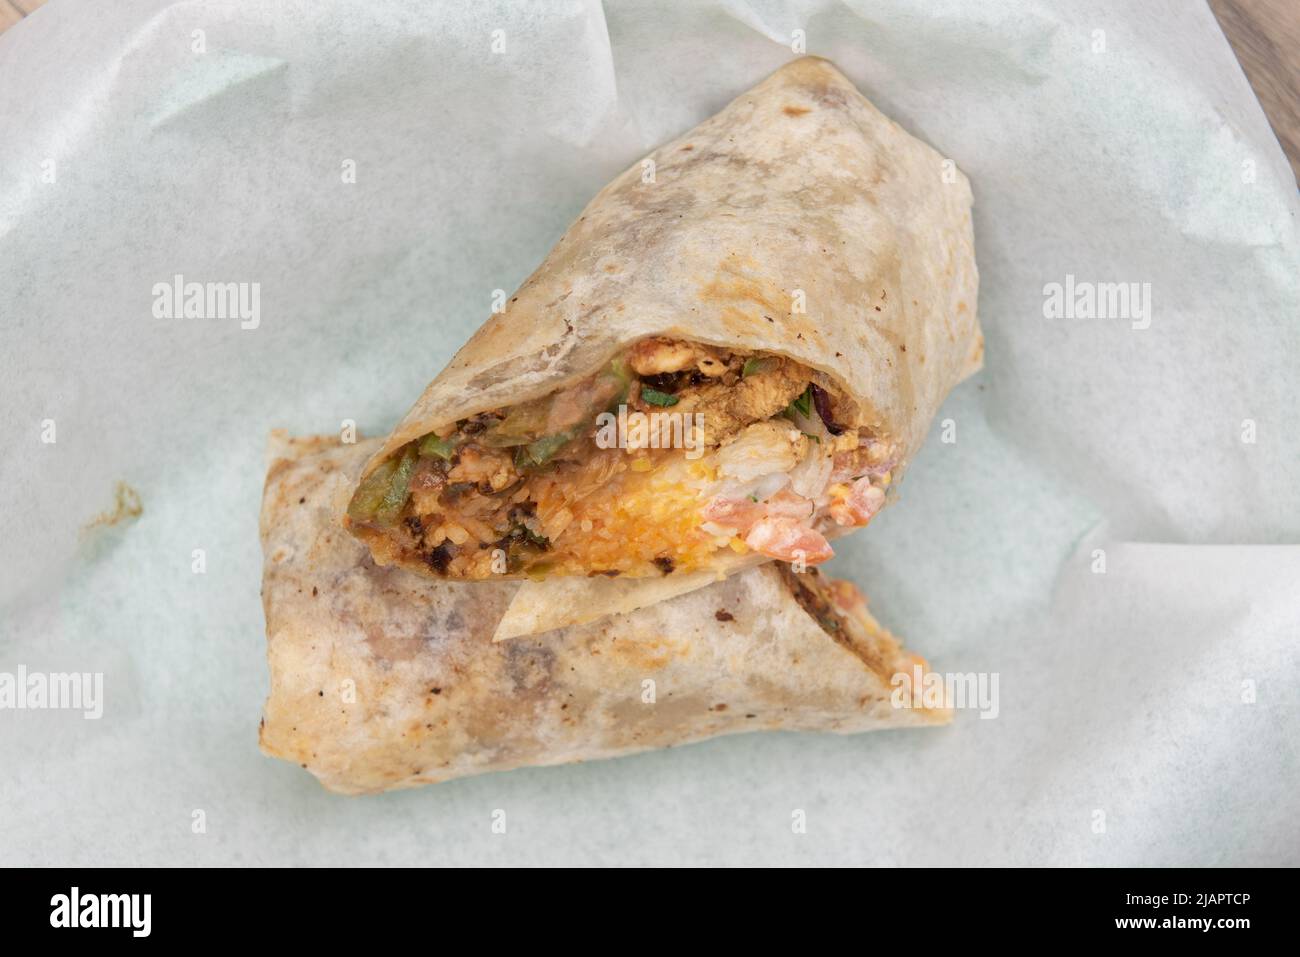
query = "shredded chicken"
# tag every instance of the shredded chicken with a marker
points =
(657, 356)
(483, 466)
(729, 407)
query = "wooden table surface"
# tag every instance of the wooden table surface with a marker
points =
(1265, 34)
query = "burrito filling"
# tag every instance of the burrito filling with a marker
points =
(672, 453)
(841, 611)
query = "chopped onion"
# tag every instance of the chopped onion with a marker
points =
(761, 448)
(811, 476)
(760, 489)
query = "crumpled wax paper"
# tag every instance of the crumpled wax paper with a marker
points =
(1147, 713)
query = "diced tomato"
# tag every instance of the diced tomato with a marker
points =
(786, 504)
(789, 541)
(737, 513)
(861, 504)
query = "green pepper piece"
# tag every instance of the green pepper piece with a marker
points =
(371, 492)
(522, 425)
(619, 370)
(756, 364)
(622, 377)
(544, 449)
(524, 548)
(655, 397)
(432, 445)
(399, 487)
(802, 405)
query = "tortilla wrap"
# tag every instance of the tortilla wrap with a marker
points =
(799, 227)
(381, 680)
(538, 607)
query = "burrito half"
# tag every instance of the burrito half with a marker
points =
(728, 358)
(380, 679)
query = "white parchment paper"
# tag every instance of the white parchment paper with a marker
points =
(1147, 714)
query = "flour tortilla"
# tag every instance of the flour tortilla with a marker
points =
(799, 189)
(381, 679)
(538, 607)
(799, 184)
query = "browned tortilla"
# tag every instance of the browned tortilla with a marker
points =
(381, 679)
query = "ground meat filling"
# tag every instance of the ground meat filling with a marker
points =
(743, 453)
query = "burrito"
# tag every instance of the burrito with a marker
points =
(729, 358)
(381, 680)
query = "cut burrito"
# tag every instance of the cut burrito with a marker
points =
(383, 680)
(728, 358)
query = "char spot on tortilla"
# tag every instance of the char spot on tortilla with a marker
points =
(529, 665)
(833, 96)
(795, 110)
